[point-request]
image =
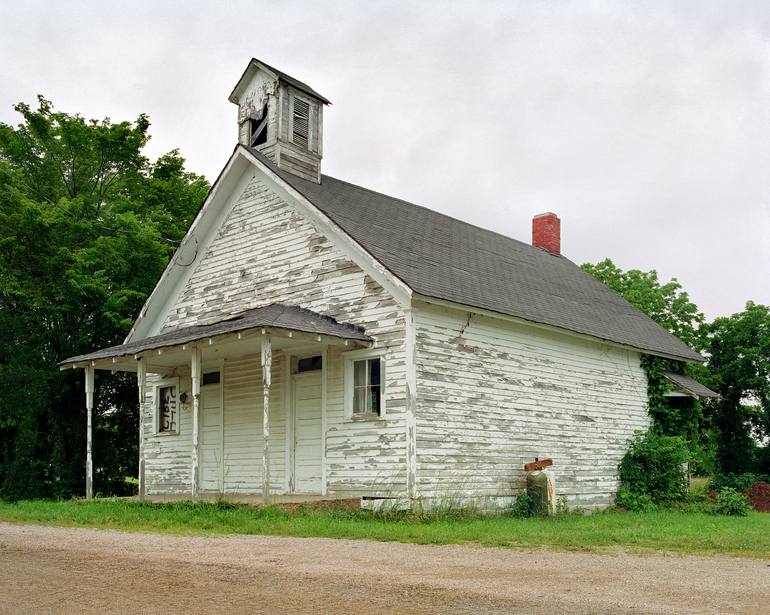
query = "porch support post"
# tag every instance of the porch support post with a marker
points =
(195, 365)
(89, 430)
(324, 388)
(267, 363)
(141, 379)
(411, 403)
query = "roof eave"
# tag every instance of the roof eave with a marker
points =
(694, 358)
(103, 354)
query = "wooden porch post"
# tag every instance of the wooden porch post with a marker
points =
(267, 363)
(324, 387)
(141, 379)
(89, 429)
(195, 365)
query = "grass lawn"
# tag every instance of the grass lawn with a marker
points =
(678, 531)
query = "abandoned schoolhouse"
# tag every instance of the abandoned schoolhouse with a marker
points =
(311, 338)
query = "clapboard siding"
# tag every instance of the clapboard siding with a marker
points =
(244, 438)
(493, 394)
(167, 456)
(366, 457)
(267, 252)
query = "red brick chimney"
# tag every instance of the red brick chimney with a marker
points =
(546, 232)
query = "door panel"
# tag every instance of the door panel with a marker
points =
(210, 437)
(307, 432)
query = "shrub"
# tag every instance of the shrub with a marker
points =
(738, 482)
(522, 507)
(731, 502)
(653, 471)
(638, 502)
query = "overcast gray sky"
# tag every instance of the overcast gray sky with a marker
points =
(644, 125)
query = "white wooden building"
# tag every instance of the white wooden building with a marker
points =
(316, 338)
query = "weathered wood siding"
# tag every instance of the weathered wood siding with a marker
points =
(494, 394)
(243, 425)
(367, 457)
(168, 462)
(266, 252)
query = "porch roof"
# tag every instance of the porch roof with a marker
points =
(689, 385)
(273, 316)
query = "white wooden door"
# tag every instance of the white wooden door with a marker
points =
(211, 438)
(306, 397)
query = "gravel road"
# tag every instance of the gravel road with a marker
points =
(62, 570)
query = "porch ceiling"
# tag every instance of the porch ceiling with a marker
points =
(240, 334)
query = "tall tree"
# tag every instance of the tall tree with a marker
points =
(667, 304)
(670, 306)
(739, 361)
(87, 224)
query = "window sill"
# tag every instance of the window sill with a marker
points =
(165, 434)
(366, 418)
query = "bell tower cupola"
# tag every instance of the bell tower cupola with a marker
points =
(282, 118)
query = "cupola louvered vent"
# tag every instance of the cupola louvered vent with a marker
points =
(300, 122)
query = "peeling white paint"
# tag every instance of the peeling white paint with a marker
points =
(495, 394)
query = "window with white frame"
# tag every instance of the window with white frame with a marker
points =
(364, 385)
(167, 407)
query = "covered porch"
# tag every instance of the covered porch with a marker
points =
(203, 426)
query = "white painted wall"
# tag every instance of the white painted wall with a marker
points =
(243, 425)
(306, 400)
(211, 438)
(493, 394)
(167, 456)
(489, 399)
(266, 252)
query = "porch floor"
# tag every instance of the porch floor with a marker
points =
(255, 499)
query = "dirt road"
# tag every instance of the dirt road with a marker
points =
(57, 570)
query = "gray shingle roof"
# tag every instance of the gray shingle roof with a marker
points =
(304, 87)
(441, 257)
(689, 385)
(277, 316)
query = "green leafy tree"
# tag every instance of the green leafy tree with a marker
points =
(87, 225)
(739, 363)
(670, 306)
(667, 304)
(652, 472)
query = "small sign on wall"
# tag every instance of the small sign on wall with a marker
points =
(168, 409)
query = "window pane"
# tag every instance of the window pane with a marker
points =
(367, 386)
(210, 378)
(375, 400)
(374, 372)
(359, 400)
(309, 364)
(359, 373)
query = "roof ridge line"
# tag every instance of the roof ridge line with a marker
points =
(440, 213)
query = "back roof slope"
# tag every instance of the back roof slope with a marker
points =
(445, 258)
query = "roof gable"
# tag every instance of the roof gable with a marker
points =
(241, 171)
